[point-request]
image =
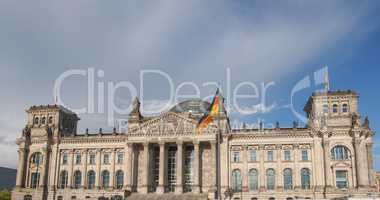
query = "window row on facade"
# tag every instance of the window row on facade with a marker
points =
(43, 120)
(105, 158)
(336, 108)
(253, 156)
(339, 152)
(78, 179)
(270, 174)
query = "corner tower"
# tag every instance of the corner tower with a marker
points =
(38, 146)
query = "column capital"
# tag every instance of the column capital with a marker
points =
(213, 142)
(196, 142)
(21, 150)
(161, 143)
(145, 144)
(179, 142)
(130, 144)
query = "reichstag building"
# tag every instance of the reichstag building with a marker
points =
(164, 157)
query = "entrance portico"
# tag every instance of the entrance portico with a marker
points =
(168, 166)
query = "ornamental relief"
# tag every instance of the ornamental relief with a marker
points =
(171, 124)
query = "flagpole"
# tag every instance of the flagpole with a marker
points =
(218, 152)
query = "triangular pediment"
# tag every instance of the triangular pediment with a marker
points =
(169, 123)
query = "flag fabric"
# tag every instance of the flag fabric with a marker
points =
(214, 109)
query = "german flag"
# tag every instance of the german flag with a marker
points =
(214, 109)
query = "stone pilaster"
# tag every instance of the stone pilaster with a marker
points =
(70, 172)
(262, 171)
(179, 185)
(112, 175)
(21, 167)
(84, 182)
(296, 171)
(98, 169)
(279, 174)
(245, 169)
(128, 165)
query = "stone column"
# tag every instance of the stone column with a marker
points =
(318, 166)
(196, 188)
(213, 165)
(128, 174)
(179, 185)
(370, 163)
(21, 167)
(145, 174)
(362, 163)
(84, 182)
(43, 173)
(161, 176)
(327, 172)
(112, 175)
(98, 169)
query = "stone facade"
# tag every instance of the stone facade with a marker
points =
(164, 157)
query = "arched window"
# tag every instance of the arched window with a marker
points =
(36, 120)
(60, 198)
(340, 153)
(325, 109)
(289, 198)
(345, 108)
(63, 179)
(77, 179)
(43, 120)
(28, 197)
(271, 179)
(236, 180)
(272, 198)
(253, 180)
(119, 179)
(90, 179)
(335, 108)
(50, 120)
(105, 179)
(36, 158)
(288, 179)
(254, 198)
(305, 179)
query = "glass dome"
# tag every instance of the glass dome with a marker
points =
(196, 107)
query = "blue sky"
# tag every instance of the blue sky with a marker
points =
(259, 41)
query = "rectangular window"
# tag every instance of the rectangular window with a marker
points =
(35, 180)
(341, 179)
(252, 155)
(106, 158)
(270, 156)
(305, 155)
(64, 159)
(236, 156)
(120, 158)
(287, 156)
(92, 159)
(78, 159)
